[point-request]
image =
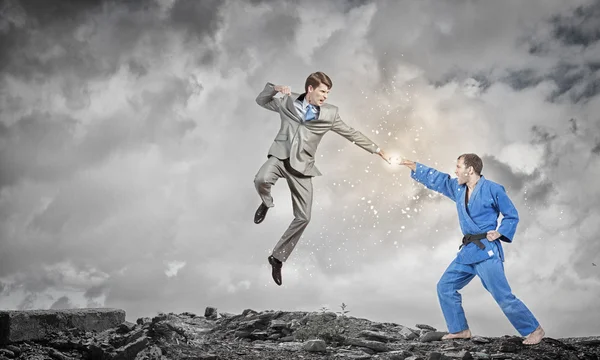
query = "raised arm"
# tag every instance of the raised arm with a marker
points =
(433, 179)
(266, 98)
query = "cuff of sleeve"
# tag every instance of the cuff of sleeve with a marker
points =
(505, 239)
(413, 173)
(271, 86)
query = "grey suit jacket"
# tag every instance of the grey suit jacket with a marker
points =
(298, 139)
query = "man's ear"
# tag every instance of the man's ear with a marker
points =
(310, 88)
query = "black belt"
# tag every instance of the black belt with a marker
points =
(473, 238)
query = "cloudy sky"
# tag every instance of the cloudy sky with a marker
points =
(130, 137)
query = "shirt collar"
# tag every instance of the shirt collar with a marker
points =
(304, 103)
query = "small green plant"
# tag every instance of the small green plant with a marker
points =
(322, 326)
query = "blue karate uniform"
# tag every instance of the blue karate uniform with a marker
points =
(479, 215)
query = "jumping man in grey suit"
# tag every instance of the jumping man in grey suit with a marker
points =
(305, 118)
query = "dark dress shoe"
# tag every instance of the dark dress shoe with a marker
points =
(276, 266)
(261, 212)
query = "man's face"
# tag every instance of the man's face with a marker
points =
(318, 95)
(461, 172)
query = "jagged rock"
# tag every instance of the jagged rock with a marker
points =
(152, 352)
(287, 339)
(508, 347)
(314, 318)
(243, 334)
(407, 333)
(436, 356)
(481, 355)
(291, 346)
(278, 325)
(352, 355)
(500, 356)
(425, 327)
(395, 355)
(315, 346)
(591, 342)
(432, 336)
(125, 327)
(144, 321)
(463, 354)
(249, 312)
(259, 335)
(14, 349)
(57, 355)
(414, 357)
(38, 324)
(480, 340)
(377, 336)
(206, 357)
(366, 350)
(375, 345)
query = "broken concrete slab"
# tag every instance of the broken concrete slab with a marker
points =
(21, 325)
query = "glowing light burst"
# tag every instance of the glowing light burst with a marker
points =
(377, 215)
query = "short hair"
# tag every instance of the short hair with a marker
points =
(317, 78)
(472, 160)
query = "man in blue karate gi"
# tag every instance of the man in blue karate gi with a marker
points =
(479, 201)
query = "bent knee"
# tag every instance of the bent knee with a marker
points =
(260, 181)
(302, 219)
(443, 287)
(506, 300)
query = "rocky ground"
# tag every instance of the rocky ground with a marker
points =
(283, 335)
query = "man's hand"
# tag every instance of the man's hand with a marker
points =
(384, 157)
(285, 90)
(493, 235)
(408, 163)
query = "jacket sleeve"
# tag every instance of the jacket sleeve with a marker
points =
(510, 219)
(266, 98)
(435, 180)
(355, 136)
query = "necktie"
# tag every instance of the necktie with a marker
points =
(310, 113)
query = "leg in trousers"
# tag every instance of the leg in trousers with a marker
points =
(267, 175)
(302, 197)
(456, 277)
(491, 273)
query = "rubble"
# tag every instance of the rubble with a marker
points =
(274, 335)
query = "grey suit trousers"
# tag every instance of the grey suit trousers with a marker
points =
(302, 197)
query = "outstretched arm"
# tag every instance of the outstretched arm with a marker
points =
(266, 98)
(433, 179)
(356, 137)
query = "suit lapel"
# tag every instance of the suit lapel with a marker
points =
(291, 108)
(321, 111)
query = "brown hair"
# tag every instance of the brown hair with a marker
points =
(472, 160)
(317, 78)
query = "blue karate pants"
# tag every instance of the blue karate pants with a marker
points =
(491, 273)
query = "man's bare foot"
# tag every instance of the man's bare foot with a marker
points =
(465, 334)
(535, 337)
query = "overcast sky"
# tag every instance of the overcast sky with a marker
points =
(130, 138)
